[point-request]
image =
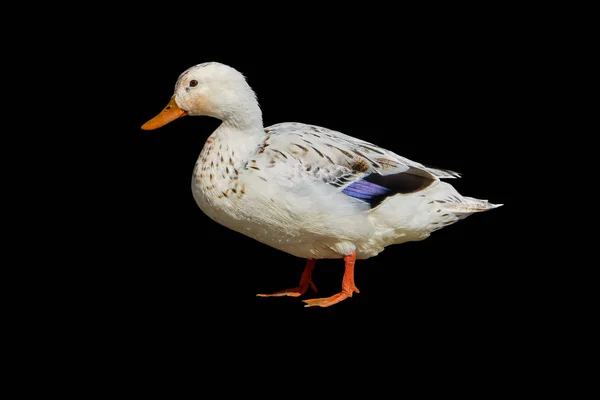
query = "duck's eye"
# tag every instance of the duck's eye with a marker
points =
(193, 83)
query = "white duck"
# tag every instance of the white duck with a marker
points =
(306, 190)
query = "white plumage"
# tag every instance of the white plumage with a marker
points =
(309, 191)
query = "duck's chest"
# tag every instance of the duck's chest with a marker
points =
(223, 184)
(215, 180)
(222, 193)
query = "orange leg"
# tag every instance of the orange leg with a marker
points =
(348, 286)
(305, 280)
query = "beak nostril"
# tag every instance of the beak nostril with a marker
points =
(168, 108)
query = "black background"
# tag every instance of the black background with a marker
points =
(127, 281)
(445, 92)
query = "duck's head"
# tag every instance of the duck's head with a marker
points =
(211, 89)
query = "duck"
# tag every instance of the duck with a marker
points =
(306, 190)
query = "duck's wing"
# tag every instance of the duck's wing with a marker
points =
(295, 153)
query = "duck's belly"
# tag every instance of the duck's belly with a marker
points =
(291, 242)
(309, 235)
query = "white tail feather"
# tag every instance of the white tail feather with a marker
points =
(472, 205)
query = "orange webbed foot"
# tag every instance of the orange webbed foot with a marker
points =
(348, 286)
(293, 292)
(305, 282)
(326, 301)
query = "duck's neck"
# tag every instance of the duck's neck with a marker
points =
(239, 142)
(244, 116)
(239, 135)
(241, 127)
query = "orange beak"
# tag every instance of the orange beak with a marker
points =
(170, 113)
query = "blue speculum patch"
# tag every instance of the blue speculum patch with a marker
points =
(367, 191)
